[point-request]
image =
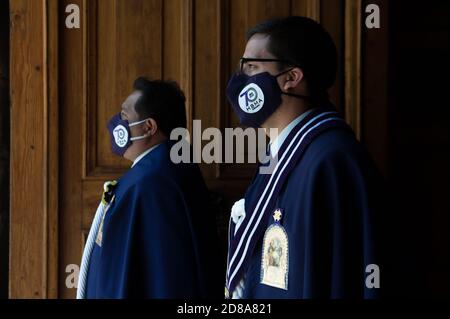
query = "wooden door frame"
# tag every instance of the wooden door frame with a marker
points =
(34, 149)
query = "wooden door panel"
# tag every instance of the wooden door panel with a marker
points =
(128, 45)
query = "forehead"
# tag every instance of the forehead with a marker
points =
(131, 100)
(257, 47)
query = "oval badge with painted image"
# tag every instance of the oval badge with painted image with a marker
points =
(251, 98)
(275, 257)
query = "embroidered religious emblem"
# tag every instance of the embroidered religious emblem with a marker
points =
(275, 254)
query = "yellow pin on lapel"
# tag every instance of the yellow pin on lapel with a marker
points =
(108, 189)
(107, 199)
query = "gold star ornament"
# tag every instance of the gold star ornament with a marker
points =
(277, 215)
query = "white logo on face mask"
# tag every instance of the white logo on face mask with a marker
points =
(251, 98)
(120, 135)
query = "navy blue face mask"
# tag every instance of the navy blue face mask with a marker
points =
(119, 132)
(255, 98)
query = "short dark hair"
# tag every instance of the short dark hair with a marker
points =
(163, 101)
(304, 43)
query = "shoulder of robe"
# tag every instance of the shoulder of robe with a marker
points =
(144, 183)
(335, 145)
(156, 184)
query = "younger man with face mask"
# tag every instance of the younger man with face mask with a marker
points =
(309, 228)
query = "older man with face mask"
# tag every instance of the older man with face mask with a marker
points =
(153, 235)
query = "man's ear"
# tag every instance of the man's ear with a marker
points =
(293, 78)
(150, 127)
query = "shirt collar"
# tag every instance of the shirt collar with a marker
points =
(142, 155)
(278, 141)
